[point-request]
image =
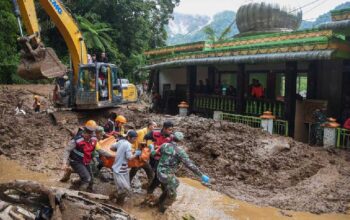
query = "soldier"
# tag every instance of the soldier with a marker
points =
(158, 138)
(172, 156)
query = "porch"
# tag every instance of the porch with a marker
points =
(207, 104)
(291, 90)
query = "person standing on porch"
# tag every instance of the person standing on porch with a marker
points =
(207, 86)
(257, 89)
(200, 88)
(347, 124)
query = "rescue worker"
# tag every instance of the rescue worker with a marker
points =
(110, 125)
(120, 121)
(100, 133)
(97, 162)
(142, 162)
(117, 129)
(78, 154)
(159, 138)
(171, 156)
(64, 94)
(18, 109)
(36, 104)
(120, 165)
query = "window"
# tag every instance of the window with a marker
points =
(228, 79)
(301, 84)
(87, 79)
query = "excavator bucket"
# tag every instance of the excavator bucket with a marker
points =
(45, 65)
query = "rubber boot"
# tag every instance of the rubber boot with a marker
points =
(66, 175)
(121, 198)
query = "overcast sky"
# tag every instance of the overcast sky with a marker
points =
(210, 7)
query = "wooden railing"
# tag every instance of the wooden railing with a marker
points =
(258, 106)
(280, 127)
(203, 102)
(251, 121)
(343, 138)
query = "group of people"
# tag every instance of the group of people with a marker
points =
(255, 89)
(158, 153)
(93, 58)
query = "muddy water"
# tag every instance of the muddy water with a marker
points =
(10, 171)
(193, 199)
(203, 203)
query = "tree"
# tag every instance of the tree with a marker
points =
(211, 35)
(122, 28)
(8, 43)
(96, 35)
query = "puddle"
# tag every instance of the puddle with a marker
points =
(10, 171)
(193, 199)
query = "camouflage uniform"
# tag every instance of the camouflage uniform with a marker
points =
(172, 156)
(320, 118)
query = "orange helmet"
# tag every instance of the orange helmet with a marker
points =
(121, 119)
(91, 125)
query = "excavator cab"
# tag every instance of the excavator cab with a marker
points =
(98, 86)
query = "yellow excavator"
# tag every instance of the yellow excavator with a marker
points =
(91, 85)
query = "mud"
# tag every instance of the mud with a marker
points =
(244, 163)
(190, 202)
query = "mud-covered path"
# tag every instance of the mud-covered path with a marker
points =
(245, 163)
(193, 200)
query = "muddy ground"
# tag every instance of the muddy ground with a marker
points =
(245, 163)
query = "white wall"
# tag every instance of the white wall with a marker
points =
(172, 77)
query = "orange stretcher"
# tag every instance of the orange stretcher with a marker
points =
(105, 145)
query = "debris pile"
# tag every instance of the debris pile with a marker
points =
(31, 200)
(251, 165)
(32, 139)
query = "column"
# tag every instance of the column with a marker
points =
(290, 94)
(267, 121)
(330, 133)
(211, 78)
(312, 80)
(241, 85)
(191, 79)
(271, 85)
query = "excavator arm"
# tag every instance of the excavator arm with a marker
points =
(39, 62)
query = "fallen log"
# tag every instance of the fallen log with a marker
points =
(56, 203)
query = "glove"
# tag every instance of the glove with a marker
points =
(138, 153)
(151, 147)
(205, 179)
